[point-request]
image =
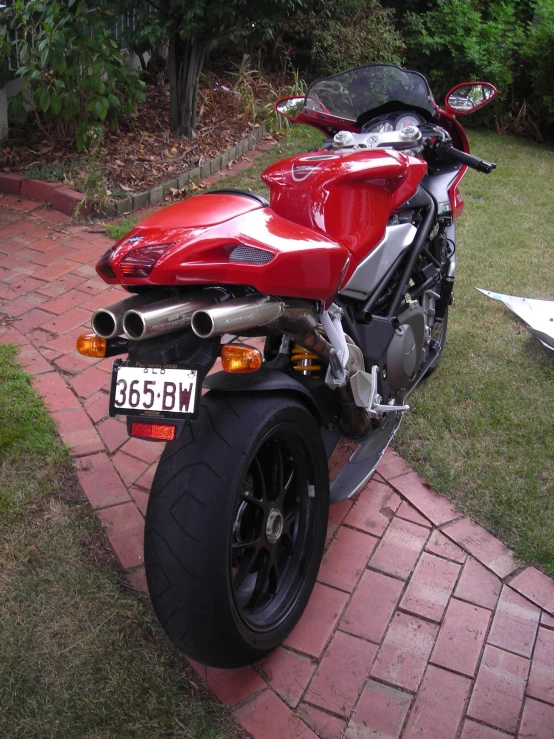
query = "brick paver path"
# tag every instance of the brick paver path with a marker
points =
(422, 624)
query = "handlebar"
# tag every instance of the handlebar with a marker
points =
(474, 162)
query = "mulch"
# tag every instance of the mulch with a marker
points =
(141, 153)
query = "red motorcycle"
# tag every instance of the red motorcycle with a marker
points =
(325, 307)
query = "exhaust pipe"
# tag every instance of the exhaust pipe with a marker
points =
(298, 320)
(165, 316)
(108, 322)
(235, 315)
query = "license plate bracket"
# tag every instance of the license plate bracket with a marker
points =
(156, 391)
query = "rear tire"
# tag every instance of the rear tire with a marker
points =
(235, 527)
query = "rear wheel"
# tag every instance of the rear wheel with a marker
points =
(235, 527)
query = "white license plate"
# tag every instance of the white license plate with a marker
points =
(154, 391)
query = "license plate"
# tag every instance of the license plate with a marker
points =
(163, 391)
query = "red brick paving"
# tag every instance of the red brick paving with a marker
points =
(380, 712)
(439, 706)
(405, 651)
(400, 548)
(368, 615)
(461, 637)
(430, 587)
(410, 632)
(515, 623)
(288, 674)
(499, 689)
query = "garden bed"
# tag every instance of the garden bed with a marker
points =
(143, 152)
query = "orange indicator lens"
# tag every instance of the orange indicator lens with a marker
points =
(153, 431)
(90, 345)
(239, 359)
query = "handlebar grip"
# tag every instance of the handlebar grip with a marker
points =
(474, 162)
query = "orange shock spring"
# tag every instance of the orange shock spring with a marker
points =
(303, 361)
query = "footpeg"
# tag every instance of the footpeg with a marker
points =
(364, 390)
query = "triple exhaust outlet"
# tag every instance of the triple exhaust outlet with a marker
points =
(152, 314)
(158, 312)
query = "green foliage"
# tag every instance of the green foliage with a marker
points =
(539, 55)
(360, 32)
(91, 181)
(191, 26)
(459, 40)
(73, 70)
(507, 42)
(207, 20)
(46, 171)
(118, 230)
(347, 33)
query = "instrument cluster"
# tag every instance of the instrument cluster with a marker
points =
(393, 122)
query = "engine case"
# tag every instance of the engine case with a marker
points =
(404, 354)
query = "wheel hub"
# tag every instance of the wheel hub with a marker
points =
(274, 526)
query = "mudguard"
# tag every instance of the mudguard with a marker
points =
(264, 380)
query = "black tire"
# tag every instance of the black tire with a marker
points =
(203, 530)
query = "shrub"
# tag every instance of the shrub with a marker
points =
(458, 41)
(539, 57)
(344, 34)
(73, 70)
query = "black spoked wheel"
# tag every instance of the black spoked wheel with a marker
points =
(235, 527)
(273, 527)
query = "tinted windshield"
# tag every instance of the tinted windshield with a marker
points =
(357, 91)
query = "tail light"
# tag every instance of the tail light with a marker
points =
(103, 267)
(139, 262)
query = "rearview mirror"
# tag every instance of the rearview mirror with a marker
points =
(469, 96)
(290, 107)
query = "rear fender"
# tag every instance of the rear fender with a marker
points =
(263, 381)
(271, 381)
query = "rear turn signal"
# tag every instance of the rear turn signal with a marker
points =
(90, 345)
(157, 431)
(240, 359)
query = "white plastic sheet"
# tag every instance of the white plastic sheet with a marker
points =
(537, 315)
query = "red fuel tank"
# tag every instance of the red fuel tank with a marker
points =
(346, 196)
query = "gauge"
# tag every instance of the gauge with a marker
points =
(406, 120)
(382, 127)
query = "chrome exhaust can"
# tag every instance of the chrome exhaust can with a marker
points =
(108, 322)
(235, 315)
(164, 317)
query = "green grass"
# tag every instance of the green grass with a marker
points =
(117, 230)
(297, 140)
(80, 653)
(482, 428)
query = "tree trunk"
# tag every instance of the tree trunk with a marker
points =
(185, 64)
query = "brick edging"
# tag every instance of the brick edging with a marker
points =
(67, 200)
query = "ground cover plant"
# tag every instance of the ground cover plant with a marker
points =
(481, 430)
(80, 653)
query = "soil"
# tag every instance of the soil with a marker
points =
(141, 153)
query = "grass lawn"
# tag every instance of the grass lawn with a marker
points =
(80, 654)
(482, 429)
